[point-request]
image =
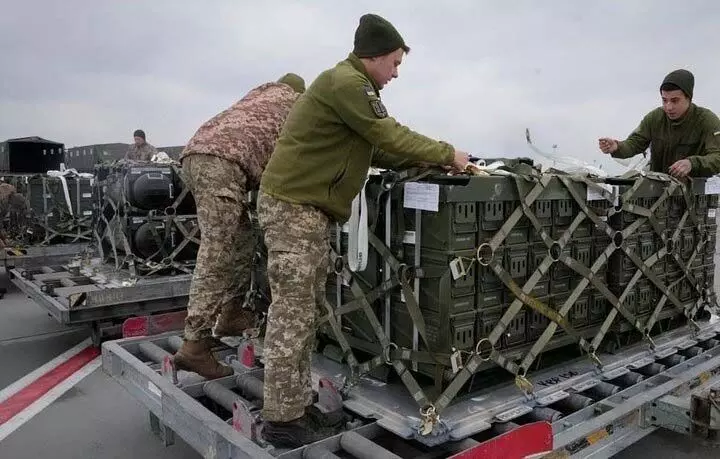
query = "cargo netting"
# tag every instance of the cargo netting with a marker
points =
(467, 273)
(146, 220)
(57, 209)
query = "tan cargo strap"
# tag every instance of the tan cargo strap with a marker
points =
(588, 276)
(357, 368)
(486, 349)
(485, 256)
(404, 274)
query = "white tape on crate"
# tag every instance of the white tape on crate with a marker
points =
(358, 232)
(66, 191)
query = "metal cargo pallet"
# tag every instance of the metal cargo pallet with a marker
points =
(36, 255)
(98, 295)
(588, 412)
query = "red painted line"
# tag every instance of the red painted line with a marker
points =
(523, 441)
(154, 324)
(26, 396)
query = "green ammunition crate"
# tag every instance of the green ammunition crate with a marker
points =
(599, 307)
(579, 314)
(444, 332)
(492, 299)
(453, 227)
(356, 322)
(536, 323)
(438, 289)
(516, 332)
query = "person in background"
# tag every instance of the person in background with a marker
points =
(140, 150)
(684, 139)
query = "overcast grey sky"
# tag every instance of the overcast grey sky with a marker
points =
(479, 73)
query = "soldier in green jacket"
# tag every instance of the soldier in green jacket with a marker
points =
(334, 133)
(684, 139)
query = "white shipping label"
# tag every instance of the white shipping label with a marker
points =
(409, 237)
(457, 268)
(87, 195)
(712, 213)
(456, 361)
(423, 196)
(712, 185)
(594, 194)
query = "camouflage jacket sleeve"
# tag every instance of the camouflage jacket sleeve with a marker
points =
(362, 110)
(708, 162)
(637, 142)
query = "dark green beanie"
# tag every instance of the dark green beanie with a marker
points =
(683, 79)
(294, 81)
(375, 36)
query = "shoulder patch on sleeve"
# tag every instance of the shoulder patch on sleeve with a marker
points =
(378, 108)
(369, 91)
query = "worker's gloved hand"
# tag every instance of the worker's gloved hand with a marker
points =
(680, 169)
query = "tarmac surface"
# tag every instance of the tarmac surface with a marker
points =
(97, 418)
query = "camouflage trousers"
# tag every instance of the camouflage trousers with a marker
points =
(297, 239)
(222, 273)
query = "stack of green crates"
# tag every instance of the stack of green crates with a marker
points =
(458, 312)
(646, 242)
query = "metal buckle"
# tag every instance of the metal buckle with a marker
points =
(429, 418)
(478, 351)
(479, 256)
(523, 383)
(386, 352)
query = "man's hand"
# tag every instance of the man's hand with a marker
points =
(461, 160)
(608, 145)
(681, 168)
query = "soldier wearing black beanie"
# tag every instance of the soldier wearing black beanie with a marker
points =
(375, 36)
(335, 132)
(684, 139)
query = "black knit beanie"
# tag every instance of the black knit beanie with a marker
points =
(139, 133)
(375, 36)
(681, 78)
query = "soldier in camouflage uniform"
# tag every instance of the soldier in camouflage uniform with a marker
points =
(334, 133)
(684, 139)
(140, 150)
(222, 162)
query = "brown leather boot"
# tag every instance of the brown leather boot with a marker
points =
(196, 356)
(235, 323)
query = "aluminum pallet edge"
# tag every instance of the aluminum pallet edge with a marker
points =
(104, 309)
(32, 256)
(598, 430)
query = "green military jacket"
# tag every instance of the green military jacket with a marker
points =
(335, 131)
(695, 137)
